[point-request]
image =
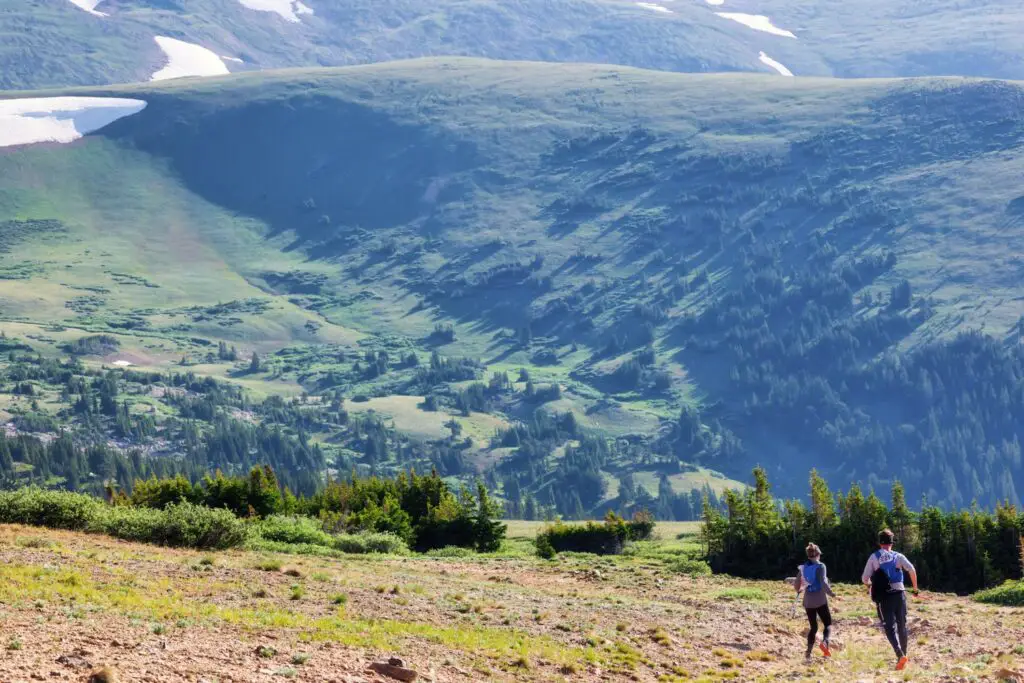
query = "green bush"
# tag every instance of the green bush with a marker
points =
(53, 509)
(450, 551)
(345, 544)
(180, 524)
(689, 567)
(294, 530)
(607, 538)
(545, 550)
(194, 526)
(129, 523)
(368, 542)
(641, 527)
(1009, 594)
(600, 539)
(258, 544)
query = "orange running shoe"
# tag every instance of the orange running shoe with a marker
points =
(902, 664)
(824, 649)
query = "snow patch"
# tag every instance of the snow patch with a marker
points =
(758, 22)
(765, 59)
(236, 60)
(715, 2)
(656, 8)
(89, 6)
(123, 363)
(289, 10)
(59, 119)
(187, 59)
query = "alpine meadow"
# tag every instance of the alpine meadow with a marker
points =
(512, 340)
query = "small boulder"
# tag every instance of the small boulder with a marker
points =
(399, 673)
(75, 661)
(104, 674)
(1009, 676)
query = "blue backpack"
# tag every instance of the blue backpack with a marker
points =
(888, 573)
(811, 577)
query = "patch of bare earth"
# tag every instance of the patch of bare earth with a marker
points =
(71, 602)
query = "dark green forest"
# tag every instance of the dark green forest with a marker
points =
(100, 441)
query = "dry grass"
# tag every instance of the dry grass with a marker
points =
(518, 619)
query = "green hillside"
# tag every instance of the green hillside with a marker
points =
(57, 44)
(717, 271)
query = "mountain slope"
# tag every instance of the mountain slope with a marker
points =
(722, 269)
(59, 43)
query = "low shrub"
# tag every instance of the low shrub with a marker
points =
(641, 527)
(370, 542)
(451, 551)
(129, 523)
(689, 567)
(363, 543)
(607, 538)
(54, 509)
(293, 529)
(545, 550)
(1009, 594)
(181, 524)
(194, 526)
(743, 594)
(262, 545)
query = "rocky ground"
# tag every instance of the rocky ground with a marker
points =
(71, 603)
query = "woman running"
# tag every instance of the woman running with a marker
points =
(813, 581)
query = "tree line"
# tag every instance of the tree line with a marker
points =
(757, 536)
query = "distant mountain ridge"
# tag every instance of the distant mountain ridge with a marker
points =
(85, 42)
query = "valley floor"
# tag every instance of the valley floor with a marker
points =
(69, 602)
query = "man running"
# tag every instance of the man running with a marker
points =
(884, 574)
(813, 581)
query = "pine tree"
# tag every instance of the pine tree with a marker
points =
(900, 518)
(488, 530)
(823, 509)
(530, 508)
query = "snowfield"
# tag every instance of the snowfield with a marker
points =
(758, 22)
(656, 8)
(89, 6)
(765, 59)
(59, 119)
(289, 10)
(187, 59)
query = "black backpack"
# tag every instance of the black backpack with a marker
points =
(879, 585)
